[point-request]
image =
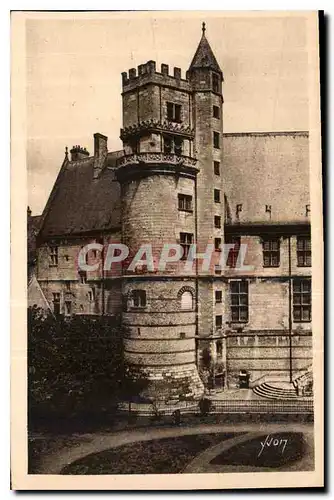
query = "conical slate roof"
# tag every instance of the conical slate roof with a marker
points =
(204, 57)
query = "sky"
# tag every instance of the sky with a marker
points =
(74, 66)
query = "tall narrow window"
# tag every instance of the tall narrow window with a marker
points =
(185, 202)
(216, 140)
(216, 167)
(139, 298)
(215, 82)
(173, 112)
(178, 146)
(167, 144)
(234, 252)
(217, 221)
(302, 296)
(186, 239)
(219, 348)
(218, 244)
(68, 307)
(53, 256)
(216, 112)
(271, 252)
(56, 303)
(219, 321)
(218, 296)
(304, 251)
(216, 195)
(239, 301)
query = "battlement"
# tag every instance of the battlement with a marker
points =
(147, 73)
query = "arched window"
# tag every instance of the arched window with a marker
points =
(187, 301)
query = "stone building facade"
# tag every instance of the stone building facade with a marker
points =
(180, 180)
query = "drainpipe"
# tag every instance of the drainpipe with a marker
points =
(290, 312)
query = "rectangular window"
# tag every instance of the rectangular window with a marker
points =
(217, 221)
(216, 167)
(303, 251)
(271, 252)
(186, 239)
(173, 112)
(139, 298)
(302, 296)
(68, 307)
(218, 244)
(216, 112)
(185, 202)
(168, 144)
(219, 348)
(178, 146)
(239, 301)
(234, 252)
(67, 286)
(91, 295)
(83, 277)
(173, 145)
(216, 140)
(218, 296)
(56, 303)
(216, 195)
(53, 256)
(219, 321)
(215, 82)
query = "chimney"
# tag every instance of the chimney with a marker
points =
(78, 153)
(177, 73)
(100, 153)
(29, 212)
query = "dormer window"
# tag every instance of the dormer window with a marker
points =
(173, 112)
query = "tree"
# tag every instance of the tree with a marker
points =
(77, 366)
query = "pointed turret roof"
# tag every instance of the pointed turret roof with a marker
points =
(204, 57)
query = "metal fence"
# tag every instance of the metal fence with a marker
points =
(278, 407)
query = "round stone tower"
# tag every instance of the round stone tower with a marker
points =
(158, 195)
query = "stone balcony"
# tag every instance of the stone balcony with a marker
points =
(162, 163)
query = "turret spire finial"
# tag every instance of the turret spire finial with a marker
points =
(203, 28)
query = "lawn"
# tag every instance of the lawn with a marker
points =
(159, 456)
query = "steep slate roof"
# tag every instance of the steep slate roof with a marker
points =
(204, 57)
(80, 204)
(268, 168)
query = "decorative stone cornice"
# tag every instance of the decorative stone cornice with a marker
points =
(166, 158)
(156, 126)
(143, 164)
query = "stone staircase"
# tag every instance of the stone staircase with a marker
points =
(275, 390)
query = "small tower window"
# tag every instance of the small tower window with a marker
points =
(218, 244)
(139, 298)
(216, 112)
(215, 82)
(216, 195)
(173, 112)
(186, 239)
(178, 144)
(216, 167)
(219, 321)
(185, 202)
(173, 145)
(168, 145)
(187, 301)
(216, 140)
(217, 221)
(218, 296)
